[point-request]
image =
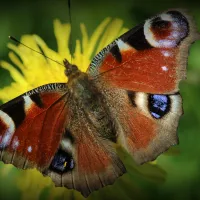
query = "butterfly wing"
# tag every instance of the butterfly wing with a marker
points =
(146, 124)
(47, 130)
(150, 57)
(91, 161)
(139, 74)
(31, 126)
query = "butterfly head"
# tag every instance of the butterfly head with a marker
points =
(70, 69)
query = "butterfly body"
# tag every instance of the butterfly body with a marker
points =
(84, 93)
(129, 96)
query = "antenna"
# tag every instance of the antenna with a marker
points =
(102, 73)
(70, 21)
(17, 41)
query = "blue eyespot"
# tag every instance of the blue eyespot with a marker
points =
(62, 162)
(159, 105)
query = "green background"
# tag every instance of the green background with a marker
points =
(182, 168)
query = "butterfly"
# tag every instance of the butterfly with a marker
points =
(129, 96)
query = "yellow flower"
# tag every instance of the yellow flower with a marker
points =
(36, 70)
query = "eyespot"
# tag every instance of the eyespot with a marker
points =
(159, 105)
(62, 162)
(166, 30)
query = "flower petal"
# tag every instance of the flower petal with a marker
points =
(85, 39)
(16, 60)
(95, 37)
(62, 33)
(112, 32)
(16, 75)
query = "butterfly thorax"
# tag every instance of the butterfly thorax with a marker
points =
(89, 99)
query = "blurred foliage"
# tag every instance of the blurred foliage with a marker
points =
(176, 174)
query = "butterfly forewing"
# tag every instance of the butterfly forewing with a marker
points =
(150, 57)
(32, 126)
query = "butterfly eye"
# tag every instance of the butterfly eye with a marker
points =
(159, 105)
(62, 162)
(70, 69)
(74, 68)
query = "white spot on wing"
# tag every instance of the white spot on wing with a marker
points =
(166, 53)
(28, 102)
(122, 45)
(7, 136)
(15, 142)
(29, 149)
(164, 68)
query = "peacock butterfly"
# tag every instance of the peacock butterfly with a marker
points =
(128, 96)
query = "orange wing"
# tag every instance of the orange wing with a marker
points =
(94, 162)
(150, 57)
(31, 126)
(138, 75)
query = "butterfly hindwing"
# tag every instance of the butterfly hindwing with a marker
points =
(32, 125)
(146, 124)
(150, 57)
(90, 159)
